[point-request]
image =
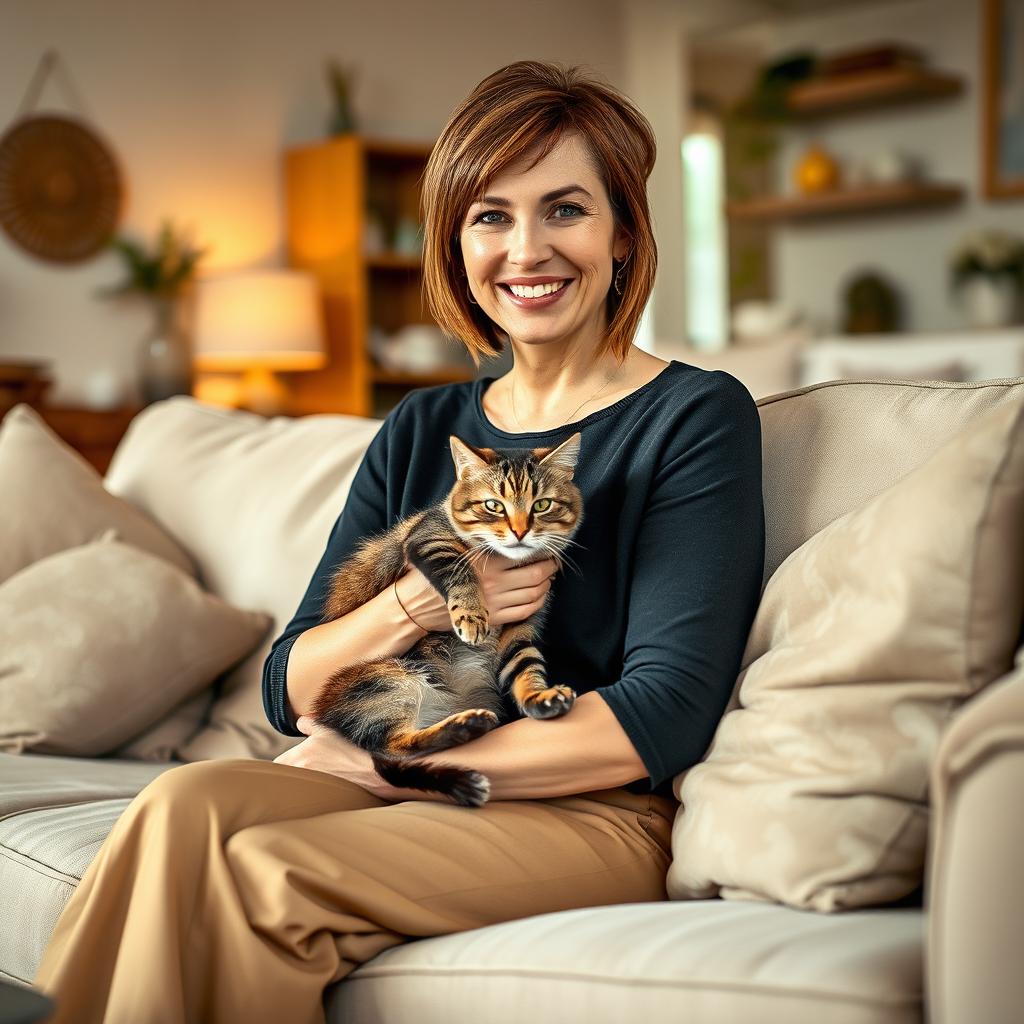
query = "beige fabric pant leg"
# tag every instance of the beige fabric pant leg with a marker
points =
(237, 890)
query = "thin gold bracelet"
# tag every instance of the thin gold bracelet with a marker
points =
(404, 609)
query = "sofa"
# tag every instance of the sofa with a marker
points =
(252, 501)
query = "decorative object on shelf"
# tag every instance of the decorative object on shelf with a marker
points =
(1002, 67)
(416, 348)
(816, 170)
(873, 57)
(259, 323)
(409, 237)
(871, 305)
(60, 187)
(103, 390)
(163, 277)
(755, 321)
(23, 381)
(375, 235)
(987, 276)
(342, 120)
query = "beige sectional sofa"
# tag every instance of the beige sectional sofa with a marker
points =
(252, 501)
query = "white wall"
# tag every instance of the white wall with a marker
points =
(199, 99)
(813, 260)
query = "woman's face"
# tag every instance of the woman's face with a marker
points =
(520, 231)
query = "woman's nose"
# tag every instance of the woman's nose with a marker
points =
(527, 245)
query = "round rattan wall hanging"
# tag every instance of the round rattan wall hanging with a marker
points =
(60, 188)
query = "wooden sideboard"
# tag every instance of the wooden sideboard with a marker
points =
(93, 433)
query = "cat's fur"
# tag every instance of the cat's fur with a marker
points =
(453, 686)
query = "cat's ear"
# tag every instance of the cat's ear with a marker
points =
(467, 457)
(563, 457)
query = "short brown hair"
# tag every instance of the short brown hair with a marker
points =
(522, 106)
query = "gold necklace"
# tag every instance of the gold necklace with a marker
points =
(608, 381)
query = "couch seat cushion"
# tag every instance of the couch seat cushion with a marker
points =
(700, 961)
(55, 813)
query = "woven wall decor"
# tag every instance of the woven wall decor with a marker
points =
(60, 188)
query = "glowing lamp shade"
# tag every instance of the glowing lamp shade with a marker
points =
(257, 323)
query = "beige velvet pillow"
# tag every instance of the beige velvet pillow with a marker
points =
(100, 641)
(813, 791)
(53, 500)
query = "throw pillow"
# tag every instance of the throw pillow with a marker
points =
(99, 642)
(814, 789)
(54, 500)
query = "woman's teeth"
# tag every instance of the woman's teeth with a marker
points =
(525, 291)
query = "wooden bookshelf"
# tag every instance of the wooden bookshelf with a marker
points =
(329, 187)
(845, 202)
(819, 97)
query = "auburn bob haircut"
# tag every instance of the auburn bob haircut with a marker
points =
(521, 108)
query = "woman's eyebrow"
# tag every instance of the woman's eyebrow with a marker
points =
(546, 198)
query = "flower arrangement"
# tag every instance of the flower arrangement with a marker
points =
(162, 273)
(990, 253)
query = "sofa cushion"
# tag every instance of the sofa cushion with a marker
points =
(100, 641)
(55, 813)
(53, 500)
(702, 962)
(253, 500)
(866, 640)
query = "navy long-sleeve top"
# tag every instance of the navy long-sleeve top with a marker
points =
(670, 553)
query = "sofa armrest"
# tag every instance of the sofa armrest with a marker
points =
(975, 896)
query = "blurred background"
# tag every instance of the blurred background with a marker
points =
(221, 198)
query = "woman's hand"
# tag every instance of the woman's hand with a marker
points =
(324, 750)
(512, 591)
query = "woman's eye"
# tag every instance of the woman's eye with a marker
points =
(542, 505)
(569, 206)
(493, 506)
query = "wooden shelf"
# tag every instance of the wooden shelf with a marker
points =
(91, 432)
(420, 380)
(845, 202)
(844, 93)
(393, 261)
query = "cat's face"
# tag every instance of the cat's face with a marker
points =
(520, 502)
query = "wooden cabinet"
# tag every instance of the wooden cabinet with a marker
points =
(330, 187)
(92, 432)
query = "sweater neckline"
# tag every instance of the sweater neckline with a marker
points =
(481, 384)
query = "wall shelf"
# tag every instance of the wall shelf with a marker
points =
(846, 202)
(819, 97)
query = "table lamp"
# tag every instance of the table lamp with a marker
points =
(256, 323)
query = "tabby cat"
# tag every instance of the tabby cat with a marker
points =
(453, 686)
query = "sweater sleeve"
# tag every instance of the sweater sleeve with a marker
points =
(364, 514)
(696, 584)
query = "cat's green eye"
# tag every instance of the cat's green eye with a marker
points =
(542, 505)
(493, 506)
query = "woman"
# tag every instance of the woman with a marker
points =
(238, 889)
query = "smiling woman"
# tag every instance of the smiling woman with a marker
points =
(239, 890)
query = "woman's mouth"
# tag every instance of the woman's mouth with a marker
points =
(536, 301)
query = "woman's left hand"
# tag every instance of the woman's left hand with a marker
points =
(324, 750)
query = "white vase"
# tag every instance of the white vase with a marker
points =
(990, 301)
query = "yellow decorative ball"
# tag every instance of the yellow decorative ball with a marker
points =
(816, 171)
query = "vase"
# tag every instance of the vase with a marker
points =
(164, 358)
(990, 301)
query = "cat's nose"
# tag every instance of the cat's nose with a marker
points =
(520, 533)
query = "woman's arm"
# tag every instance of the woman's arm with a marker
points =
(380, 628)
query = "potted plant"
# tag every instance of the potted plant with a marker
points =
(987, 275)
(162, 275)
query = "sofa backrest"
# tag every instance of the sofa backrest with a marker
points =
(253, 500)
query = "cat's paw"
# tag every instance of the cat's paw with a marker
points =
(471, 790)
(553, 702)
(470, 627)
(467, 725)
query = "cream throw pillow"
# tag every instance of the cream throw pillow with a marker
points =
(100, 641)
(53, 500)
(813, 791)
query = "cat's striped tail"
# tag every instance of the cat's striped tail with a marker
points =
(465, 786)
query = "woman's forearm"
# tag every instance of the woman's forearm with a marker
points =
(378, 629)
(529, 758)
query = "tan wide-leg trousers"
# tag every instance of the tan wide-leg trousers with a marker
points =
(235, 891)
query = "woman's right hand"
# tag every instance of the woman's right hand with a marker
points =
(512, 591)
